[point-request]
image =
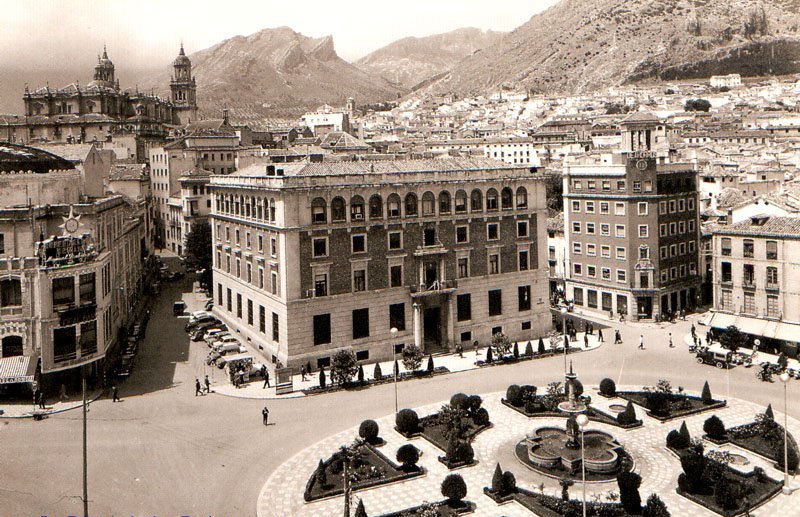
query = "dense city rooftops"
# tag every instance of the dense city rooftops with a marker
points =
(20, 158)
(764, 226)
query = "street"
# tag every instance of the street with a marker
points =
(164, 451)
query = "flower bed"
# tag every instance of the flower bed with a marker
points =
(763, 437)
(676, 405)
(594, 414)
(762, 489)
(549, 506)
(441, 507)
(355, 385)
(371, 469)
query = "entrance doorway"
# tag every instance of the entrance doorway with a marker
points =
(644, 307)
(432, 326)
(431, 274)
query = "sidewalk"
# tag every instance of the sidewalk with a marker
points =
(21, 409)
(454, 363)
(761, 357)
(602, 318)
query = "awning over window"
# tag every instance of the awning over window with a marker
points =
(788, 332)
(756, 326)
(720, 320)
(17, 369)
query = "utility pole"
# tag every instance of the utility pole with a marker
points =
(85, 462)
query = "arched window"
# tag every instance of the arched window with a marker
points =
(247, 207)
(411, 204)
(10, 292)
(375, 207)
(337, 210)
(507, 198)
(444, 202)
(393, 205)
(491, 199)
(318, 214)
(522, 197)
(476, 201)
(259, 208)
(272, 209)
(428, 203)
(12, 346)
(357, 208)
(227, 204)
(461, 202)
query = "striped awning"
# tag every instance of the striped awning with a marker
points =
(17, 369)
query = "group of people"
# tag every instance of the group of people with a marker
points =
(198, 388)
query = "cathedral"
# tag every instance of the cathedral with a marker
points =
(101, 109)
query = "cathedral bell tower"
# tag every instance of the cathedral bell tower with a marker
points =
(184, 90)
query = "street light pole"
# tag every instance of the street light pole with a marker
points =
(582, 420)
(786, 488)
(393, 332)
(85, 459)
(563, 312)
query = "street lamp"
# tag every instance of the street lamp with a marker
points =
(582, 420)
(786, 488)
(563, 312)
(393, 332)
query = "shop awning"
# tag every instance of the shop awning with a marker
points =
(720, 320)
(17, 369)
(752, 326)
(788, 332)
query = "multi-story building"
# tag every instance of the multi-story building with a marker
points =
(191, 205)
(631, 223)
(757, 280)
(511, 150)
(312, 258)
(70, 271)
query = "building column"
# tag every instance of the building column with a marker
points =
(451, 338)
(417, 326)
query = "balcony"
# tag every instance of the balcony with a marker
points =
(436, 249)
(437, 287)
(748, 283)
(74, 315)
(773, 286)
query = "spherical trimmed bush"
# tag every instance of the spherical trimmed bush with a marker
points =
(454, 488)
(458, 401)
(368, 430)
(714, 427)
(408, 455)
(481, 417)
(676, 440)
(508, 483)
(473, 403)
(407, 421)
(514, 395)
(608, 387)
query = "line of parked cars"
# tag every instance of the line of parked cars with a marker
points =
(204, 326)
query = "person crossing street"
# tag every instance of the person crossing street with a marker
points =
(617, 338)
(197, 389)
(641, 341)
(265, 415)
(600, 336)
(671, 345)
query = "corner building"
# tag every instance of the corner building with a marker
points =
(312, 258)
(631, 223)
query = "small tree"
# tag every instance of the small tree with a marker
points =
(344, 366)
(565, 484)
(377, 374)
(768, 414)
(529, 350)
(408, 455)
(675, 440)
(407, 421)
(497, 479)
(684, 430)
(629, 483)
(706, 395)
(489, 358)
(322, 475)
(714, 427)
(454, 489)
(360, 511)
(360, 374)
(508, 483)
(514, 395)
(368, 431)
(655, 507)
(412, 358)
(608, 387)
(198, 250)
(322, 377)
(628, 416)
(733, 338)
(694, 466)
(430, 367)
(697, 105)
(502, 344)
(516, 350)
(540, 348)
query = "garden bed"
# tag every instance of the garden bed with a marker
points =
(355, 385)
(763, 438)
(549, 506)
(764, 488)
(441, 507)
(594, 415)
(373, 469)
(680, 405)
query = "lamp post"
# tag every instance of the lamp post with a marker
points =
(786, 488)
(563, 312)
(393, 332)
(582, 420)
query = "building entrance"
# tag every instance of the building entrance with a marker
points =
(432, 327)
(644, 307)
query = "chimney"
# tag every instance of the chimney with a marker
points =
(225, 116)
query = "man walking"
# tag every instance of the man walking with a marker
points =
(197, 389)
(114, 394)
(693, 330)
(265, 373)
(641, 341)
(208, 384)
(600, 336)
(585, 340)
(303, 372)
(671, 345)
(265, 415)
(40, 399)
(617, 338)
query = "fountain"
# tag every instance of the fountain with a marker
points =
(573, 407)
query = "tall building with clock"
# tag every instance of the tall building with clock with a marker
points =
(631, 226)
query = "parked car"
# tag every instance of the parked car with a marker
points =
(193, 323)
(224, 340)
(199, 331)
(125, 367)
(720, 359)
(213, 335)
(209, 305)
(178, 308)
(175, 275)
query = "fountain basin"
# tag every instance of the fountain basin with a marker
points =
(547, 448)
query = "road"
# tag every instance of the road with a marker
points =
(163, 451)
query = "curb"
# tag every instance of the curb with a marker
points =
(55, 412)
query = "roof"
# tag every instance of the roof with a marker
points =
(785, 227)
(641, 117)
(15, 158)
(197, 173)
(729, 197)
(212, 127)
(127, 171)
(339, 140)
(71, 152)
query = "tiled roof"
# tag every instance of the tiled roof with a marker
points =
(786, 227)
(127, 171)
(15, 158)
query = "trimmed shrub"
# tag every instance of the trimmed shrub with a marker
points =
(360, 374)
(726, 493)
(377, 374)
(430, 364)
(769, 414)
(516, 350)
(412, 358)
(676, 440)
(529, 350)
(608, 387)
(368, 430)
(459, 451)
(791, 453)
(322, 377)
(629, 483)
(508, 484)
(497, 479)
(578, 388)
(514, 395)
(714, 427)
(360, 511)
(658, 403)
(694, 466)
(459, 401)
(407, 421)
(408, 455)
(481, 417)
(540, 347)
(489, 357)
(473, 403)
(706, 396)
(322, 475)
(628, 416)
(344, 367)
(684, 430)
(454, 489)
(655, 507)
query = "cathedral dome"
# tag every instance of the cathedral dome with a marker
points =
(182, 59)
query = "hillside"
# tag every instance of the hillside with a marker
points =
(410, 61)
(581, 45)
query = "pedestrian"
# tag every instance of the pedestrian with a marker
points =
(683, 314)
(40, 399)
(600, 336)
(641, 342)
(693, 330)
(460, 350)
(208, 384)
(197, 390)
(265, 373)
(62, 395)
(303, 372)
(617, 337)
(114, 394)
(671, 345)
(265, 415)
(586, 341)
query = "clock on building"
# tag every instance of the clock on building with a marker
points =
(72, 223)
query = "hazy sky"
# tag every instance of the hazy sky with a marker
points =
(61, 34)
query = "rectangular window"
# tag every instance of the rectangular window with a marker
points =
(662, 207)
(621, 185)
(642, 208)
(605, 229)
(690, 225)
(249, 312)
(577, 248)
(229, 303)
(360, 323)
(749, 303)
(682, 248)
(727, 272)
(748, 248)
(359, 243)
(88, 339)
(605, 251)
(644, 252)
(621, 275)
(772, 277)
(362, 355)
(576, 206)
(606, 185)
(260, 243)
(396, 276)
(772, 306)
(577, 269)
(690, 204)
(63, 291)
(673, 228)
(276, 335)
(522, 228)
(591, 298)
(320, 247)
(637, 186)
(590, 228)
(621, 255)
(590, 184)
(648, 186)
(262, 319)
(462, 234)
(576, 227)
(463, 267)
(681, 227)
(395, 240)
(692, 246)
(672, 206)
(604, 207)
(492, 231)
(464, 307)
(748, 275)
(591, 250)
(64, 343)
(494, 263)
(321, 284)
(466, 337)
(725, 246)
(590, 207)
(273, 247)
(522, 255)
(87, 287)
(576, 184)
(220, 294)
(681, 205)
(772, 250)
(644, 231)
(495, 302)
(429, 237)
(397, 316)
(619, 230)
(524, 297)
(578, 296)
(591, 271)
(727, 300)
(322, 329)
(605, 273)
(239, 306)
(359, 280)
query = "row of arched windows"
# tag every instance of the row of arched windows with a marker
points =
(248, 206)
(410, 206)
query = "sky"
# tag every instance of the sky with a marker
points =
(141, 34)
